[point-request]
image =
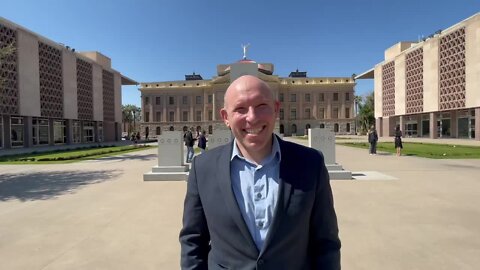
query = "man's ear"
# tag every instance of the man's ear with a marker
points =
(224, 115)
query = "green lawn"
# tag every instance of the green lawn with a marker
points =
(69, 156)
(428, 150)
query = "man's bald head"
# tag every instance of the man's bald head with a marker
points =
(244, 83)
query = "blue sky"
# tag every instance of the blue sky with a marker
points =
(164, 40)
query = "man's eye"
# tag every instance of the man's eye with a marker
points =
(241, 110)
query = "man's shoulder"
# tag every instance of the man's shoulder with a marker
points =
(297, 150)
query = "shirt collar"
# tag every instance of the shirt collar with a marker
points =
(275, 155)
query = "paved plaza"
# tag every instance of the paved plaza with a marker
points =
(400, 213)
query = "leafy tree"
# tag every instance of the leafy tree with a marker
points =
(366, 116)
(130, 116)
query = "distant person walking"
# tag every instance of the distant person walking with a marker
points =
(189, 142)
(202, 141)
(373, 139)
(398, 140)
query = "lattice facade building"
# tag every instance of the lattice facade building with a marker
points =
(51, 95)
(436, 86)
(194, 102)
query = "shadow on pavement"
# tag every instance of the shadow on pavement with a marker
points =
(48, 185)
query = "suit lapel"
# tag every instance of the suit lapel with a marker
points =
(225, 184)
(285, 189)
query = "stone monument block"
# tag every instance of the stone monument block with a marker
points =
(170, 159)
(219, 137)
(323, 140)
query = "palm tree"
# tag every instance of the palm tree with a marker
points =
(366, 113)
(130, 113)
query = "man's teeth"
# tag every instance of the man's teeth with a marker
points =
(253, 131)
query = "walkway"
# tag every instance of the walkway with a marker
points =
(101, 215)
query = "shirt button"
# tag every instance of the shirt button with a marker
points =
(260, 262)
(259, 195)
(260, 224)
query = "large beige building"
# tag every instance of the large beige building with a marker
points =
(431, 88)
(305, 101)
(53, 95)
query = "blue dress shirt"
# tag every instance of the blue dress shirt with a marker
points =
(256, 190)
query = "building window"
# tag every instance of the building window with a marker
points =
(210, 99)
(185, 116)
(347, 96)
(210, 129)
(210, 115)
(171, 116)
(147, 117)
(198, 99)
(281, 114)
(158, 100)
(293, 97)
(335, 127)
(88, 132)
(158, 116)
(335, 96)
(335, 113)
(294, 129)
(198, 116)
(321, 113)
(158, 131)
(77, 132)
(16, 131)
(293, 114)
(307, 97)
(171, 128)
(348, 127)
(171, 100)
(185, 100)
(280, 97)
(347, 112)
(307, 113)
(147, 100)
(40, 131)
(321, 97)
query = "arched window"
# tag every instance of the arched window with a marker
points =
(294, 129)
(210, 129)
(322, 125)
(158, 131)
(335, 127)
(282, 129)
(348, 127)
(171, 128)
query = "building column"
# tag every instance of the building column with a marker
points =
(95, 132)
(51, 130)
(164, 110)
(453, 124)
(433, 125)
(214, 109)
(27, 131)
(69, 131)
(7, 133)
(477, 124)
(192, 108)
(378, 126)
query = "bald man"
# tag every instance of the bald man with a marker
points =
(258, 202)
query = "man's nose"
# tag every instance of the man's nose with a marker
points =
(251, 114)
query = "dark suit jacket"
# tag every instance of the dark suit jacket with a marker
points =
(304, 230)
